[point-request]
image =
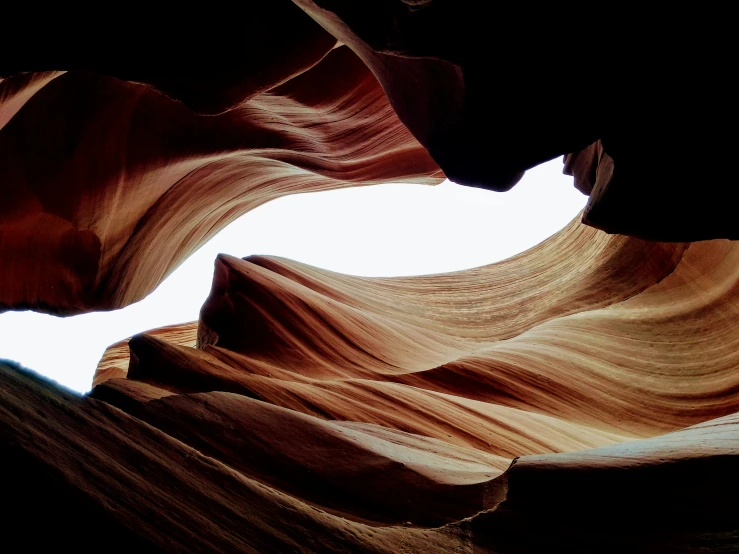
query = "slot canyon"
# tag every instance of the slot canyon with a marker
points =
(581, 396)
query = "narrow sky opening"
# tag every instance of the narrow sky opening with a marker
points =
(384, 230)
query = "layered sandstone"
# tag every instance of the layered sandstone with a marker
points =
(422, 402)
(123, 167)
(118, 161)
(579, 397)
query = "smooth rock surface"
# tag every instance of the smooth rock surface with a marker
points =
(579, 397)
(465, 403)
(95, 171)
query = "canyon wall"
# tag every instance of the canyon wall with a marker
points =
(581, 396)
(117, 161)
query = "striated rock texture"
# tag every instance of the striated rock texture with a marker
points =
(580, 397)
(92, 474)
(454, 412)
(123, 168)
(118, 160)
(508, 89)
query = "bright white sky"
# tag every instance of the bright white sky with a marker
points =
(383, 230)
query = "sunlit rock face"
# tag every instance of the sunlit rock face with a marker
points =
(579, 397)
(108, 185)
(421, 402)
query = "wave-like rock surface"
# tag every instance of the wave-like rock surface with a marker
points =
(117, 162)
(91, 472)
(506, 90)
(462, 406)
(580, 397)
(108, 185)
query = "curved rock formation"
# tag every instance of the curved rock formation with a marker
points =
(105, 151)
(80, 233)
(507, 90)
(403, 401)
(580, 397)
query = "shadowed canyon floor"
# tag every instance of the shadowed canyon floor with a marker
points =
(324, 412)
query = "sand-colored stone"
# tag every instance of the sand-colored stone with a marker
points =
(579, 397)
(466, 403)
